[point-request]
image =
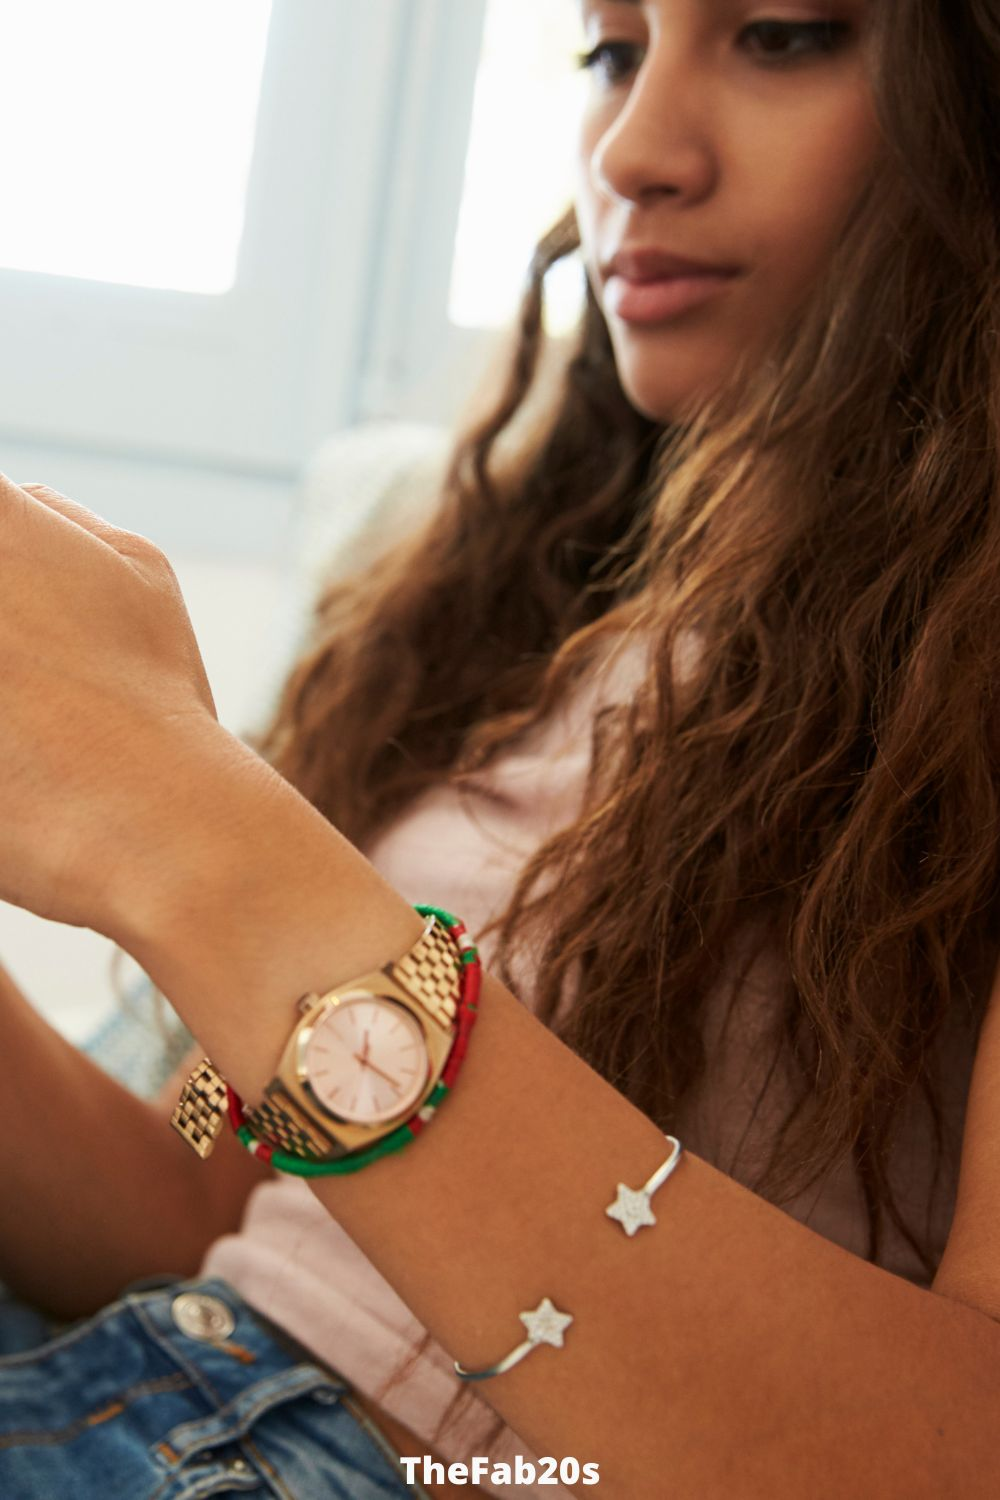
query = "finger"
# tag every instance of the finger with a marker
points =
(28, 502)
(137, 550)
(73, 511)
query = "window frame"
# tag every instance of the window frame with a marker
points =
(250, 380)
(417, 363)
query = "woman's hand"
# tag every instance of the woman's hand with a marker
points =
(100, 677)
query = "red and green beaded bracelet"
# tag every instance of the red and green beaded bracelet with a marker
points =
(405, 1133)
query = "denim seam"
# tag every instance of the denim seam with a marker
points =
(270, 1472)
(222, 1413)
(227, 1415)
(197, 1486)
(65, 1340)
(379, 1437)
(72, 1430)
(197, 1376)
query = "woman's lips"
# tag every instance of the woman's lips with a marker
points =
(655, 301)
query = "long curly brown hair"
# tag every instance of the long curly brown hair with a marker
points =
(829, 527)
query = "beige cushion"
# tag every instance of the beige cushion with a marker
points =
(365, 488)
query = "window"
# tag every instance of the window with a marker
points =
(230, 344)
(519, 168)
(140, 123)
(233, 227)
(483, 166)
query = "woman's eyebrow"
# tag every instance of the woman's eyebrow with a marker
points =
(586, 6)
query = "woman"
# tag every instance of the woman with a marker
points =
(754, 544)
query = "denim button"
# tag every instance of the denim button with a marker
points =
(202, 1317)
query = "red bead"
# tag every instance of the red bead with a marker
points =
(234, 1106)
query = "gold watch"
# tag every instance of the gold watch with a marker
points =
(362, 1059)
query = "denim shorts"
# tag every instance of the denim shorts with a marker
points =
(177, 1390)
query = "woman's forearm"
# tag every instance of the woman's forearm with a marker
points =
(729, 1350)
(93, 1192)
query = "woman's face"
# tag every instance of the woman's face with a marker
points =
(732, 132)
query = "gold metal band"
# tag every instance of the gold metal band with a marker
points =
(200, 1112)
(278, 1121)
(432, 973)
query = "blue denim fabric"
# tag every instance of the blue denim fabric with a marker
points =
(125, 1405)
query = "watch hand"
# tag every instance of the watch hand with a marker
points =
(368, 1064)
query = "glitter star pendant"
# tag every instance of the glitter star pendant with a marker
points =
(632, 1209)
(546, 1325)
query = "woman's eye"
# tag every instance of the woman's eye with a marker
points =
(771, 42)
(606, 60)
(773, 38)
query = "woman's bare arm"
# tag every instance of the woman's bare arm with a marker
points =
(730, 1350)
(95, 1189)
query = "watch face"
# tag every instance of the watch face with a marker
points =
(366, 1060)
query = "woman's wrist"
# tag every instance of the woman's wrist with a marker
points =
(239, 897)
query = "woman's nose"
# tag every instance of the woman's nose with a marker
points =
(660, 141)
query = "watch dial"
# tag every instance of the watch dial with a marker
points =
(366, 1060)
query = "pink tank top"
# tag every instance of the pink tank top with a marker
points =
(462, 850)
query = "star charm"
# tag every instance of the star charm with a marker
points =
(546, 1324)
(631, 1208)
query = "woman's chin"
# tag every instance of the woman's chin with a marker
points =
(663, 391)
(667, 408)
